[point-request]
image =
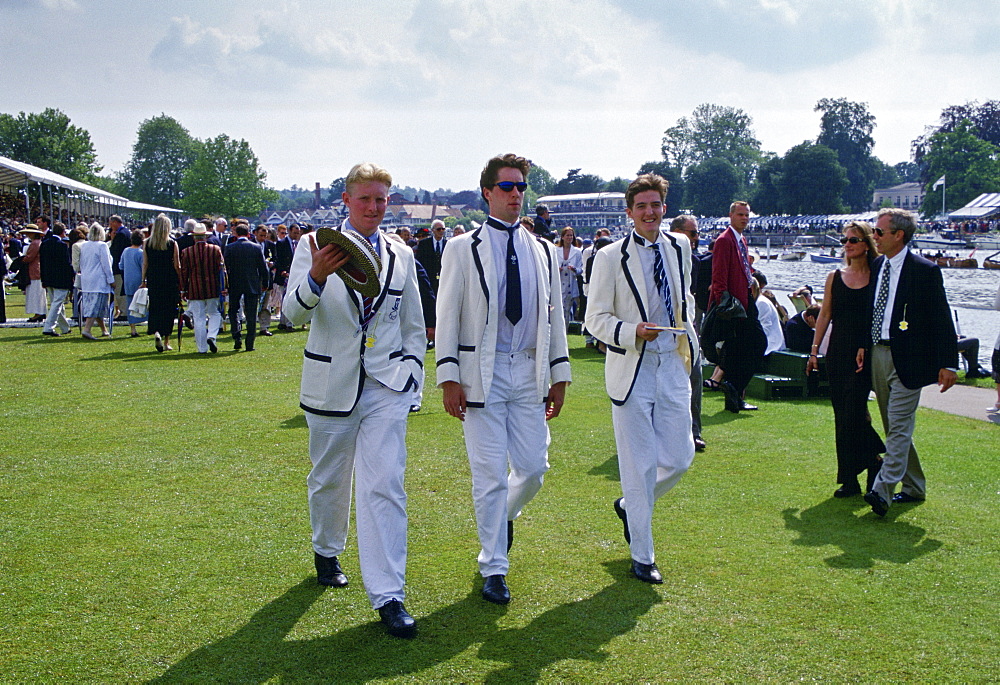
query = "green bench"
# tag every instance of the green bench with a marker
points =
(784, 377)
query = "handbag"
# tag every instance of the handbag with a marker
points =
(716, 325)
(139, 306)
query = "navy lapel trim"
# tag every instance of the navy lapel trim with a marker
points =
(631, 281)
(477, 240)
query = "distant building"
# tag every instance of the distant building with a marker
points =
(586, 212)
(905, 196)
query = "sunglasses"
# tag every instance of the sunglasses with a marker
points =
(507, 186)
(879, 232)
(853, 240)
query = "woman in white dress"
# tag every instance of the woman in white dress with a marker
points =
(97, 281)
(570, 269)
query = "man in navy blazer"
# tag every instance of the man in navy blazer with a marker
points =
(913, 345)
(248, 278)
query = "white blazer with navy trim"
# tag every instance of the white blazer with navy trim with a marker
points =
(468, 312)
(617, 304)
(336, 358)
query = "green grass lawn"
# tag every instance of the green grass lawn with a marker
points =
(153, 526)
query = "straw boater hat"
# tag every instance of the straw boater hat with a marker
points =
(32, 228)
(362, 269)
(199, 229)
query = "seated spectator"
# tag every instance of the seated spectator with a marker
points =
(802, 298)
(799, 330)
(769, 320)
(969, 349)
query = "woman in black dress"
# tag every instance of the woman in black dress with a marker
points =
(160, 268)
(847, 304)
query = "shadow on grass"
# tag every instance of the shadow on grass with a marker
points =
(259, 651)
(297, 421)
(609, 469)
(862, 539)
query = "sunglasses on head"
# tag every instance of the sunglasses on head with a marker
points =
(853, 240)
(507, 186)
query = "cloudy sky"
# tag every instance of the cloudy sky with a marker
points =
(430, 89)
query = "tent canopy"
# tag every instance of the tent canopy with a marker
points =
(16, 174)
(984, 205)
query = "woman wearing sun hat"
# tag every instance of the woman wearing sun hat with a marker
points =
(35, 304)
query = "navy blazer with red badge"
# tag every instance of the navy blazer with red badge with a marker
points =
(921, 333)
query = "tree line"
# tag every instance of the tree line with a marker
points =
(710, 158)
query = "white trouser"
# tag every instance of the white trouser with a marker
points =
(57, 297)
(264, 312)
(898, 406)
(510, 429)
(655, 445)
(370, 445)
(207, 321)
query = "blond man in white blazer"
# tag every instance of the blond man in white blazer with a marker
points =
(502, 360)
(363, 360)
(642, 308)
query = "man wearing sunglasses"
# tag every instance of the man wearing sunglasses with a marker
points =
(913, 344)
(502, 360)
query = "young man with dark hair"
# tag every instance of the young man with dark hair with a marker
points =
(502, 359)
(641, 305)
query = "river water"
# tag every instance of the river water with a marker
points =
(970, 293)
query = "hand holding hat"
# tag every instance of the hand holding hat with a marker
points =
(358, 266)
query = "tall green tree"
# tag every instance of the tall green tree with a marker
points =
(983, 118)
(846, 128)
(162, 152)
(909, 172)
(575, 182)
(971, 166)
(812, 180)
(711, 186)
(766, 197)
(48, 140)
(714, 131)
(225, 178)
(541, 181)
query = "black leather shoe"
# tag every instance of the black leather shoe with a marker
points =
(746, 406)
(699, 444)
(397, 621)
(328, 571)
(212, 346)
(266, 334)
(495, 590)
(848, 490)
(647, 573)
(879, 505)
(237, 343)
(250, 347)
(905, 498)
(624, 517)
(510, 535)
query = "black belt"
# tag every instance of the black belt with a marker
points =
(884, 342)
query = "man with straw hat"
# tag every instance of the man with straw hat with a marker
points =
(363, 360)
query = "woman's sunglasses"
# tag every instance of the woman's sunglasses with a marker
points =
(853, 240)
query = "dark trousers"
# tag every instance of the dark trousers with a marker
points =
(251, 302)
(743, 351)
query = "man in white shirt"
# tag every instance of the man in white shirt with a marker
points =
(363, 360)
(502, 359)
(642, 307)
